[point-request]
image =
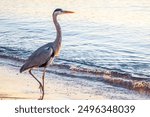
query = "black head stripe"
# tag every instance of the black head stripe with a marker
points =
(58, 9)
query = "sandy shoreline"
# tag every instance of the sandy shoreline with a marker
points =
(22, 86)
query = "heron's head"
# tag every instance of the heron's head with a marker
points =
(59, 11)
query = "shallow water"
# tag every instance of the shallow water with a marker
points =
(112, 35)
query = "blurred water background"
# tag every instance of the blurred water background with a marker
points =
(111, 35)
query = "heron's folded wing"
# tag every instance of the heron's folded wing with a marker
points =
(39, 57)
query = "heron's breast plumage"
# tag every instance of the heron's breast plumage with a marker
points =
(57, 52)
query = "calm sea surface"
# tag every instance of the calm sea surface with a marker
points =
(102, 34)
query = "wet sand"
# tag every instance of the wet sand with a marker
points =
(16, 86)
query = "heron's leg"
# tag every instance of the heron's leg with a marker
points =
(43, 77)
(41, 87)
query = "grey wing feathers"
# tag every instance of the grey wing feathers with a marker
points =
(39, 57)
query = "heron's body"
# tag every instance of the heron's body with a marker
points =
(44, 55)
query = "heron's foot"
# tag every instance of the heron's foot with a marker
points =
(41, 91)
(41, 97)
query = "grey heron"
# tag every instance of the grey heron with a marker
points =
(45, 55)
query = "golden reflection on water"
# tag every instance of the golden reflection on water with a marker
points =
(130, 12)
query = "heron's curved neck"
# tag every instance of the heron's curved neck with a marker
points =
(58, 29)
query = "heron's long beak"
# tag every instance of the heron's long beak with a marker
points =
(68, 12)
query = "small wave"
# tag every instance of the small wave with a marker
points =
(114, 71)
(13, 52)
(12, 58)
(139, 84)
(4, 32)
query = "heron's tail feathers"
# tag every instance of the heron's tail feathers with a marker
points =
(22, 69)
(26, 66)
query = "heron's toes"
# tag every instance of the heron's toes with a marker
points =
(41, 97)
